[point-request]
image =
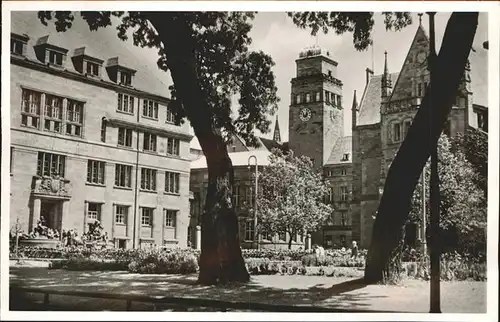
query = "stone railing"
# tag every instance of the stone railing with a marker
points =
(52, 186)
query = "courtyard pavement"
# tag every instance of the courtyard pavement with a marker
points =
(327, 292)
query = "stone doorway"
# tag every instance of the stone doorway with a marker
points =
(51, 210)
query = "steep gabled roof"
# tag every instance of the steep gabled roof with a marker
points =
(369, 107)
(341, 147)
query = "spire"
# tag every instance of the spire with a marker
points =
(420, 18)
(354, 110)
(277, 135)
(386, 79)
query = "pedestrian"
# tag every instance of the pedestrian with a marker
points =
(354, 249)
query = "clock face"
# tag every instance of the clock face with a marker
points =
(305, 114)
(421, 57)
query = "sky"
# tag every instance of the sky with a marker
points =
(275, 34)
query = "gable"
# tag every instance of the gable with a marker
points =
(414, 67)
(369, 106)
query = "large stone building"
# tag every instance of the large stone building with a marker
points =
(354, 167)
(92, 138)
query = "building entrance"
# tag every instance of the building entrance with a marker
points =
(51, 211)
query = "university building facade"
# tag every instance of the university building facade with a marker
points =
(90, 141)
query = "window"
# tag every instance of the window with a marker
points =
(327, 97)
(343, 241)
(344, 194)
(170, 116)
(345, 157)
(172, 182)
(170, 217)
(150, 109)
(125, 78)
(149, 142)
(396, 132)
(339, 100)
(123, 174)
(249, 230)
(282, 236)
(236, 195)
(173, 146)
(95, 172)
(343, 171)
(147, 216)
(103, 129)
(126, 103)
(330, 196)
(308, 97)
(92, 69)
(74, 118)
(343, 219)
(50, 164)
(30, 108)
(94, 211)
(55, 58)
(419, 89)
(16, 47)
(406, 127)
(124, 137)
(53, 113)
(148, 179)
(121, 215)
(480, 120)
(318, 96)
(297, 99)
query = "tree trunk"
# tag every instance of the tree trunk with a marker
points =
(290, 242)
(407, 166)
(393, 271)
(221, 259)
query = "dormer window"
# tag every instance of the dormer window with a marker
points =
(92, 69)
(125, 78)
(55, 58)
(85, 63)
(345, 157)
(18, 44)
(49, 53)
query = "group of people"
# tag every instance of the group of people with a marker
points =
(42, 231)
(320, 251)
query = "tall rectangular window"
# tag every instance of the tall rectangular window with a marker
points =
(344, 193)
(170, 217)
(149, 142)
(95, 171)
(327, 96)
(170, 118)
(74, 118)
(249, 230)
(121, 214)
(308, 97)
(30, 108)
(173, 146)
(148, 179)
(103, 129)
(53, 113)
(236, 195)
(146, 216)
(124, 137)
(123, 174)
(330, 196)
(125, 78)
(94, 211)
(172, 182)
(126, 103)
(50, 164)
(318, 96)
(150, 109)
(396, 132)
(343, 219)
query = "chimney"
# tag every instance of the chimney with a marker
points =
(369, 74)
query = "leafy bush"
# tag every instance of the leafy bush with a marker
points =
(337, 261)
(157, 261)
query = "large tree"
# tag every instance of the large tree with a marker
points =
(462, 201)
(291, 198)
(209, 60)
(448, 69)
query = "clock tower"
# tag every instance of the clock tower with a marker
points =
(315, 118)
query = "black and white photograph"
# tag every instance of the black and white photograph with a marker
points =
(193, 160)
